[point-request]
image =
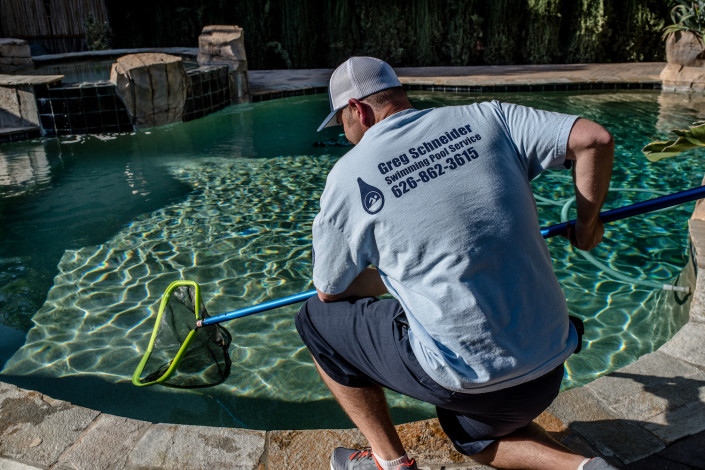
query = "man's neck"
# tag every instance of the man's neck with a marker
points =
(390, 109)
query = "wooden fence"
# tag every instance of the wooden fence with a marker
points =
(55, 25)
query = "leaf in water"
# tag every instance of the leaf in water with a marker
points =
(688, 139)
(698, 131)
(656, 156)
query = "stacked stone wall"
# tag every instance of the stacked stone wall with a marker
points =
(14, 54)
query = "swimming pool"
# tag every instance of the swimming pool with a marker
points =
(94, 228)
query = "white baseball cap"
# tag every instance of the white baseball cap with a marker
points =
(358, 78)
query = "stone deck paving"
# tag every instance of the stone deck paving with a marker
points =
(648, 415)
(264, 82)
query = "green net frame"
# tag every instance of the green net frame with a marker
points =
(179, 354)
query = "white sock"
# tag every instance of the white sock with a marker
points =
(582, 464)
(392, 464)
(596, 463)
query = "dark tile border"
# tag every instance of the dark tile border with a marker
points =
(586, 86)
(504, 88)
(273, 95)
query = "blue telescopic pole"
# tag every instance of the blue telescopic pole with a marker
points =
(634, 209)
(559, 229)
(272, 304)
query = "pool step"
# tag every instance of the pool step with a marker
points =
(16, 134)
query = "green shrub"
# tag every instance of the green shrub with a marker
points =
(505, 25)
(323, 33)
(591, 31)
(640, 39)
(463, 44)
(687, 16)
(543, 32)
(97, 34)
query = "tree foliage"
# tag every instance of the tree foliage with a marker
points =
(321, 34)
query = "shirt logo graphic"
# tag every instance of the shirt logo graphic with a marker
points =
(372, 198)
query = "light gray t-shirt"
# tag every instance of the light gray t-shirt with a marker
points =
(440, 201)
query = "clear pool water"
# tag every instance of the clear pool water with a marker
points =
(94, 228)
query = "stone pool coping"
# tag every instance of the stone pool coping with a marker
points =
(271, 84)
(649, 414)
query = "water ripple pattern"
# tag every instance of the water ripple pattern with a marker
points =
(243, 235)
(611, 289)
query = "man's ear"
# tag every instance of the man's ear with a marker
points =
(362, 112)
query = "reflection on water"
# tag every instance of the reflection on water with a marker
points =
(199, 202)
(24, 168)
(678, 110)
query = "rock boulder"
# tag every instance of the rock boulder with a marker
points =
(685, 68)
(153, 86)
(225, 44)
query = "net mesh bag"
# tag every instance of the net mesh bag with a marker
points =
(179, 354)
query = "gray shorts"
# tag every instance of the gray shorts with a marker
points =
(365, 341)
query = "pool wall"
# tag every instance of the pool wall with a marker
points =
(97, 107)
(94, 108)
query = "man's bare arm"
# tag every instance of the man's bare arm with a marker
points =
(591, 146)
